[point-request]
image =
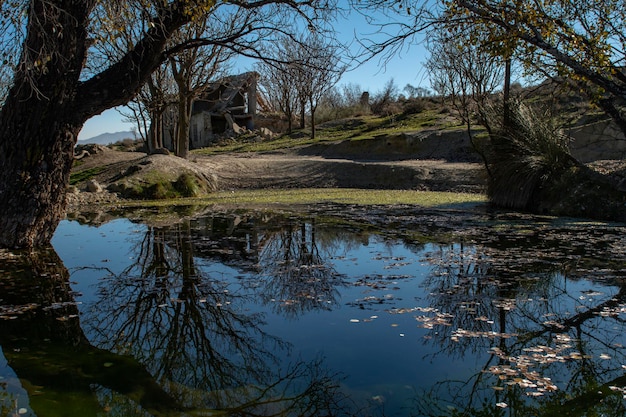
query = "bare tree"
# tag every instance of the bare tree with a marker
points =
(277, 82)
(580, 42)
(147, 110)
(384, 102)
(319, 70)
(415, 92)
(464, 74)
(193, 70)
(301, 70)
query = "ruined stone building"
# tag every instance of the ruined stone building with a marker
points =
(228, 104)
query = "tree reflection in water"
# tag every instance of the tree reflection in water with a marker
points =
(558, 345)
(197, 338)
(296, 276)
(43, 343)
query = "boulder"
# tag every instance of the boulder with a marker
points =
(93, 186)
(265, 133)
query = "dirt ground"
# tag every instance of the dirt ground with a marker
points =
(290, 170)
(297, 168)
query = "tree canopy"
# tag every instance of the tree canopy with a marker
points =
(579, 42)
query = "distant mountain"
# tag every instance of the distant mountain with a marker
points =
(108, 138)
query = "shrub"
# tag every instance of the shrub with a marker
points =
(187, 185)
(524, 155)
(160, 191)
(413, 106)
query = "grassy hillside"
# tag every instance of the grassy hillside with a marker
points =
(354, 129)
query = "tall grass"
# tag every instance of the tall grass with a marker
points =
(524, 154)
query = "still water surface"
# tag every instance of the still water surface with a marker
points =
(261, 314)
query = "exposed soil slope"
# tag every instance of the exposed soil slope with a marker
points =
(400, 162)
(289, 170)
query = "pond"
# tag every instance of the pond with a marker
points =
(341, 311)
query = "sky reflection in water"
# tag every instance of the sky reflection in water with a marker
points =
(303, 317)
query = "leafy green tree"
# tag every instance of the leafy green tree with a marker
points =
(57, 85)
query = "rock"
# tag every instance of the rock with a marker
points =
(238, 129)
(93, 186)
(89, 149)
(82, 154)
(266, 133)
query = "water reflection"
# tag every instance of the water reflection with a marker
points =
(504, 317)
(553, 336)
(197, 337)
(169, 340)
(44, 344)
(298, 275)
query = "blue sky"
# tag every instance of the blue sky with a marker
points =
(406, 67)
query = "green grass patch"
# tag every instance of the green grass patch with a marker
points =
(159, 186)
(85, 175)
(333, 195)
(357, 128)
(282, 142)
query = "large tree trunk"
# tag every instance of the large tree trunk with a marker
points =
(302, 114)
(36, 155)
(38, 124)
(313, 108)
(507, 91)
(155, 133)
